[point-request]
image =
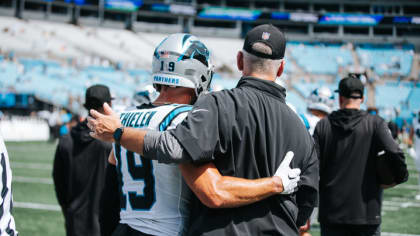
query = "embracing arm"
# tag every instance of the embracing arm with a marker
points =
(133, 139)
(217, 191)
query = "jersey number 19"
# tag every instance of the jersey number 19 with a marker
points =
(140, 173)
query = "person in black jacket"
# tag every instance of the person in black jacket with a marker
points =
(348, 142)
(80, 166)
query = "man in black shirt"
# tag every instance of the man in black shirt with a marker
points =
(80, 167)
(245, 132)
(349, 141)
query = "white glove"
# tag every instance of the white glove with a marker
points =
(289, 177)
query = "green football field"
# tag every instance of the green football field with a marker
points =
(37, 212)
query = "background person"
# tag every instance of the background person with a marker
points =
(348, 142)
(320, 104)
(7, 221)
(79, 169)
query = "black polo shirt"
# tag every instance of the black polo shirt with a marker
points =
(246, 132)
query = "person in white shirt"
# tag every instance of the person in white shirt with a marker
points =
(7, 222)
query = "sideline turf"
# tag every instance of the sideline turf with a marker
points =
(40, 222)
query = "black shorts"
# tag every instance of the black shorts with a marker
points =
(125, 230)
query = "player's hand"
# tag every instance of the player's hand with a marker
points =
(289, 177)
(104, 125)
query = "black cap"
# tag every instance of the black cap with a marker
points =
(270, 36)
(96, 96)
(351, 88)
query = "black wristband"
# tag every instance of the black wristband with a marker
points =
(118, 134)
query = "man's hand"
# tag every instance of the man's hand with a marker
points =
(305, 228)
(104, 125)
(289, 177)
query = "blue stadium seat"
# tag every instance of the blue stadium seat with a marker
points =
(399, 95)
(297, 101)
(414, 99)
(386, 60)
(320, 58)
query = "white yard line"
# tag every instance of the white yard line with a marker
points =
(397, 234)
(38, 206)
(408, 186)
(22, 179)
(401, 204)
(317, 229)
(27, 165)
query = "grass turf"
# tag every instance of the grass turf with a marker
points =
(38, 222)
(41, 222)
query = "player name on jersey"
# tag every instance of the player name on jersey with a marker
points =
(136, 119)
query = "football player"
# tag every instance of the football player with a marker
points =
(320, 104)
(154, 198)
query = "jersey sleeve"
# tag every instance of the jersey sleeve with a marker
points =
(177, 120)
(199, 132)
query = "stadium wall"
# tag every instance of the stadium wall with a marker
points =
(19, 129)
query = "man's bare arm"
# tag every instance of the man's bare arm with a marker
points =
(133, 139)
(217, 191)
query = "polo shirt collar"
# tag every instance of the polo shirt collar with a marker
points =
(263, 85)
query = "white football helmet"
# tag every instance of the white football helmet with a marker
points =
(149, 94)
(321, 99)
(182, 60)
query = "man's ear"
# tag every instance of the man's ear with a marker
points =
(240, 61)
(281, 68)
(340, 100)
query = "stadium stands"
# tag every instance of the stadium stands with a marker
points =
(320, 58)
(391, 96)
(414, 99)
(63, 86)
(70, 58)
(297, 101)
(386, 60)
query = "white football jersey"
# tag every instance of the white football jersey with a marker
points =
(154, 198)
(310, 121)
(7, 222)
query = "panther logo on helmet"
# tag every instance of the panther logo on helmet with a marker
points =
(321, 99)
